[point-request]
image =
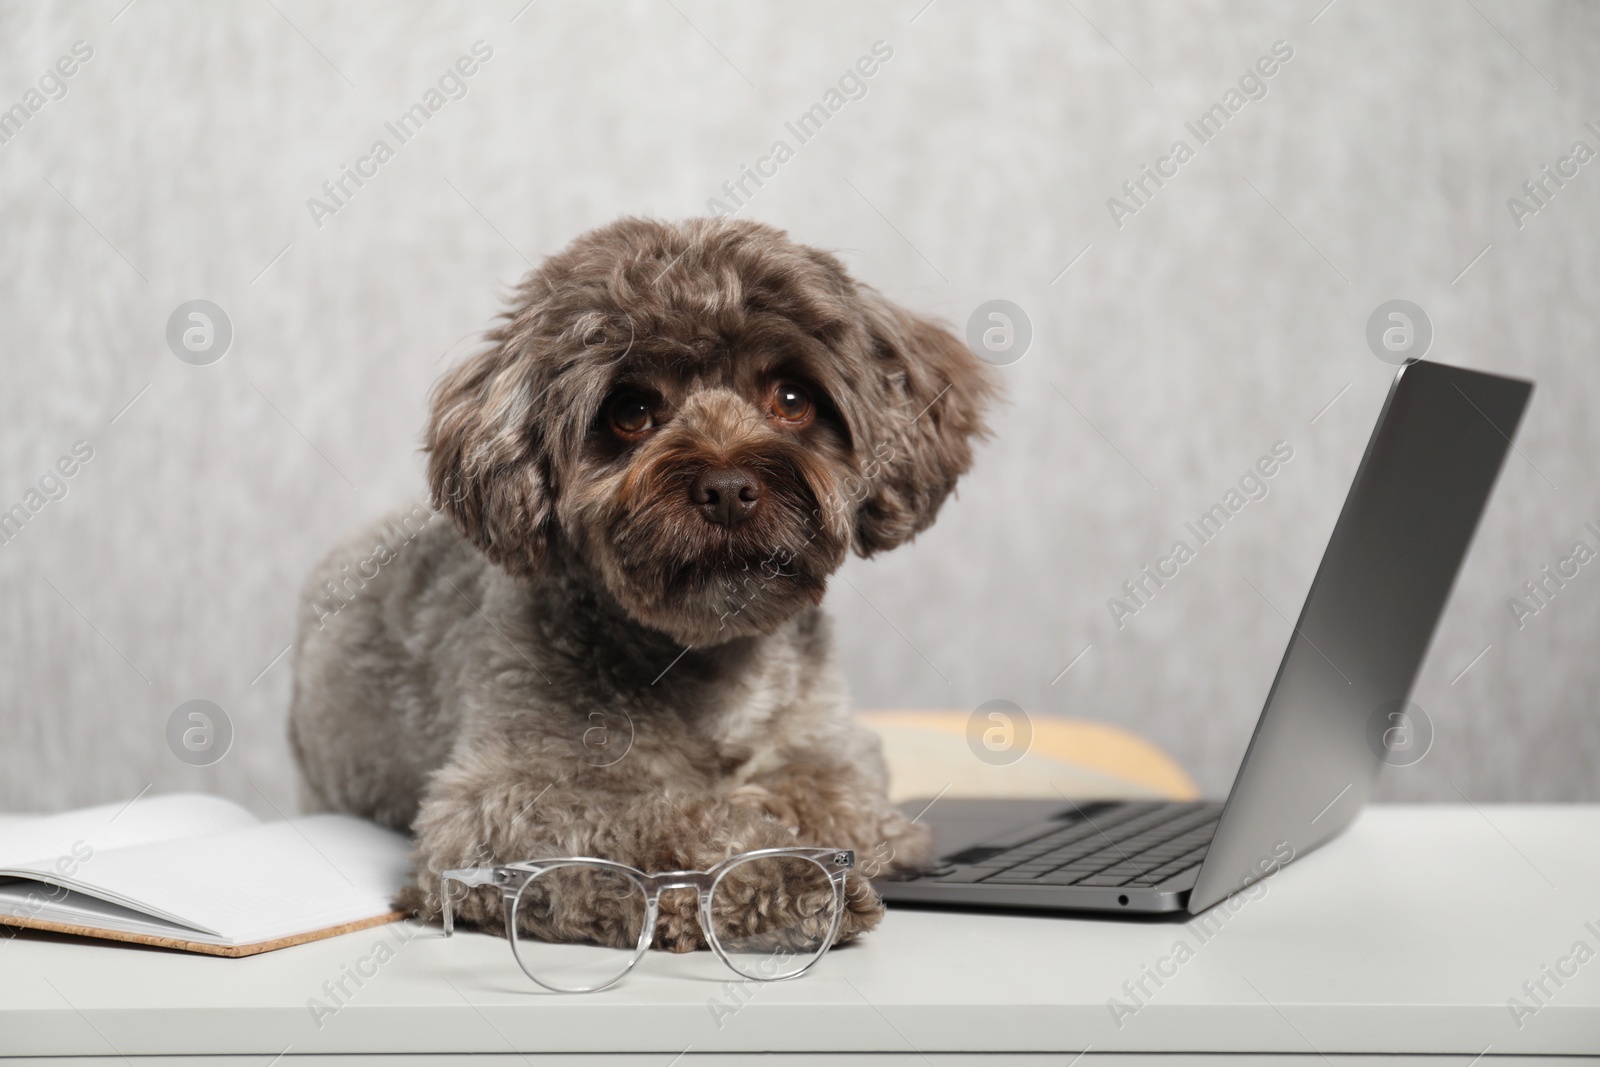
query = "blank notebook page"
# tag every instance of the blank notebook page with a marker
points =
(261, 882)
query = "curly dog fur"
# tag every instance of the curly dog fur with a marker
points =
(611, 649)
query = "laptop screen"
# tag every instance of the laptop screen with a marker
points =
(1340, 693)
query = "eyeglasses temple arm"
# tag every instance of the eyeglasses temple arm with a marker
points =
(467, 876)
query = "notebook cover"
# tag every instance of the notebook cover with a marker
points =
(196, 946)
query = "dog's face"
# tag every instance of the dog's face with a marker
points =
(698, 493)
(707, 416)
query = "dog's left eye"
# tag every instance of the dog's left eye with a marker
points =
(791, 403)
(630, 415)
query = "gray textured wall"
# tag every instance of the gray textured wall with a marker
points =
(1222, 316)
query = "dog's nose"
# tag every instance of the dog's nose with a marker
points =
(727, 496)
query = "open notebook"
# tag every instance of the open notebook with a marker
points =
(198, 873)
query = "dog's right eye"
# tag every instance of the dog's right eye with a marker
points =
(630, 415)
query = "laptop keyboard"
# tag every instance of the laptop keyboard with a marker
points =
(1135, 844)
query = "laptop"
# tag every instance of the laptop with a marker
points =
(1335, 714)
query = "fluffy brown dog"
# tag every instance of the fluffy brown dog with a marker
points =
(614, 647)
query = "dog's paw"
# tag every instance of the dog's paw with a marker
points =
(863, 907)
(480, 907)
(789, 905)
(678, 923)
(905, 846)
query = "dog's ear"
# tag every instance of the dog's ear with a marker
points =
(921, 436)
(486, 466)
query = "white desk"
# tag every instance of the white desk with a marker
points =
(1406, 936)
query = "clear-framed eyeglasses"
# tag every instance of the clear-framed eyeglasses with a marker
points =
(578, 924)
